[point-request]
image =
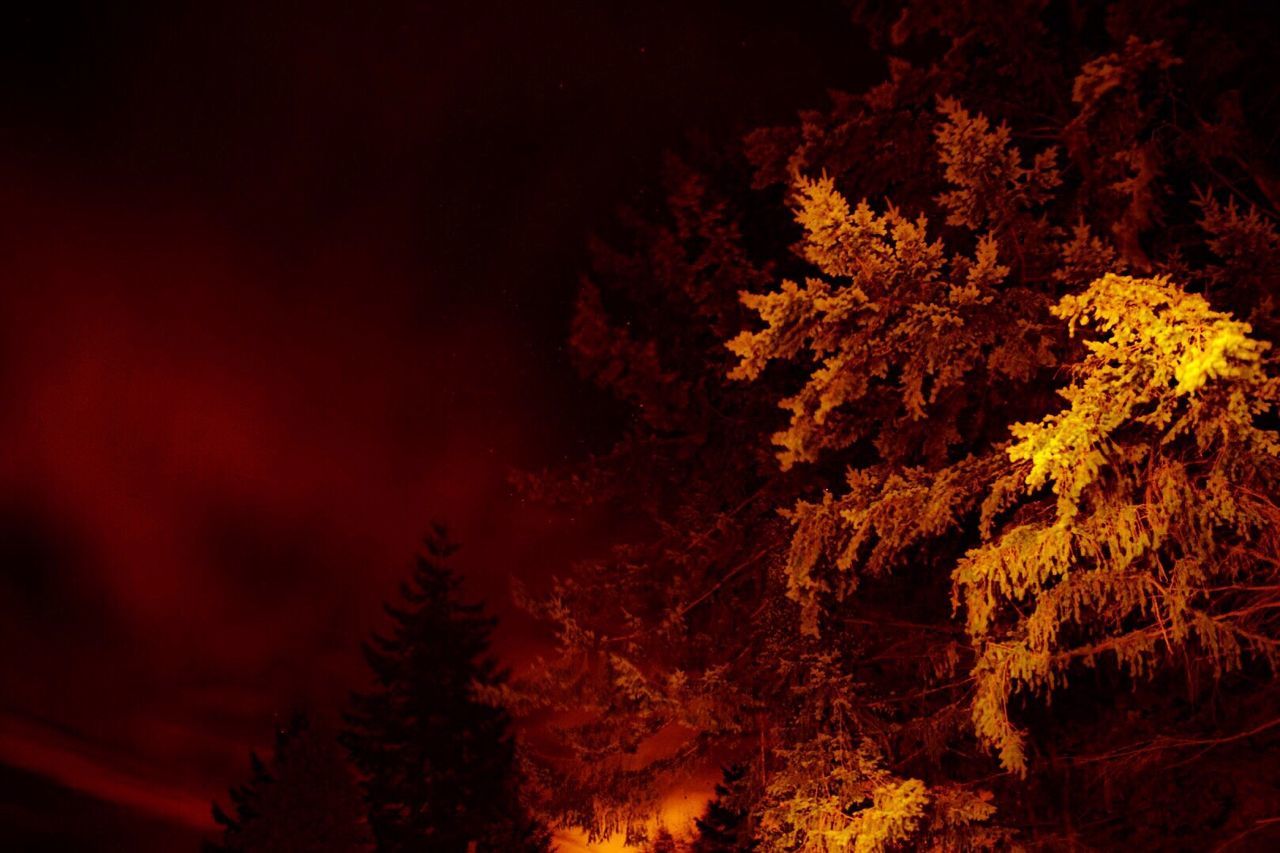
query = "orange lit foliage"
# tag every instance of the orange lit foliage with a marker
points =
(1007, 548)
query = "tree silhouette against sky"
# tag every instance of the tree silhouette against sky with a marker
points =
(438, 762)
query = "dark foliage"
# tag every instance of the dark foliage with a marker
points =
(306, 802)
(438, 762)
(725, 827)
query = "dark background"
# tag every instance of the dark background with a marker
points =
(281, 283)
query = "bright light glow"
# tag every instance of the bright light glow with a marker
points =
(678, 812)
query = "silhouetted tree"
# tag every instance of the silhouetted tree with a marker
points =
(725, 827)
(439, 762)
(306, 802)
(664, 842)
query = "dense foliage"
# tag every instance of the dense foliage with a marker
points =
(307, 801)
(424, 761)
(725, 827)
(437, 762)
(953, 457)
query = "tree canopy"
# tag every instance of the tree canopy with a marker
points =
(953, 452)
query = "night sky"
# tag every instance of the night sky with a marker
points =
(282, 284)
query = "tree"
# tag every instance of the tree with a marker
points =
(664, 842)
(725, 826)
(953, 457)
(439, 762)
(306, 802)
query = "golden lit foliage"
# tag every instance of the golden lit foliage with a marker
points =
(833, 792)
(1158, 520)
(990, 182)
(896, 331)
(872, 527)
(1158, 471)
(989, 453)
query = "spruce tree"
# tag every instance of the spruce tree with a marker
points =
(306, 802)
(724, 827)
(439, 763)
(664, 842)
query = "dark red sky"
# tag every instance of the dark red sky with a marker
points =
(282, 283)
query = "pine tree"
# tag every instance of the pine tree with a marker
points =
(439, 763)
(725, 826)
(663, 842)
(306, 802)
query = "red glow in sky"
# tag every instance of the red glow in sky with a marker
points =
(277, 293)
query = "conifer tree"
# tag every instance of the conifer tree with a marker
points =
(954, 457)
(438, 762)
(663, 842)
(307, 801)
(725, 826)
